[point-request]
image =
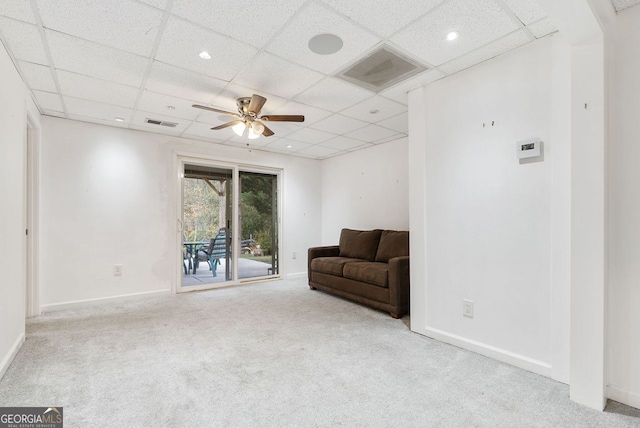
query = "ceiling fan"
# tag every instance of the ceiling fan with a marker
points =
(248, 117)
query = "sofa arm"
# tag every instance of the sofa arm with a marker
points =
(314, 252)
(399, 280)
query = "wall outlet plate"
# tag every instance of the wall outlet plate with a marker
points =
(467, 308)
(528, 148)
(117, 270)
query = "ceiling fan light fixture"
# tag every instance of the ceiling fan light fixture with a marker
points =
(252, 134)
(257, 128)
(239, 129)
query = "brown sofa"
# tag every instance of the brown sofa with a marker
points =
(370, 267)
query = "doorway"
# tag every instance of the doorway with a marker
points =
(228, 225)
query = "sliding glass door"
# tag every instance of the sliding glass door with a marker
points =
(228, 224)
(258, 225)
(207, 225)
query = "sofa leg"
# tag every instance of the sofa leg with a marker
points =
(394, 316)
(311, 287)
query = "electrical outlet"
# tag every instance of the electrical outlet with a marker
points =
(294, 256)
(467, 308)
(117, 270)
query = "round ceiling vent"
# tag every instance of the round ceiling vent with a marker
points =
(325, 44)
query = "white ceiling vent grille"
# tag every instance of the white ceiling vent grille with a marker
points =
(162, 123)
(383, 68)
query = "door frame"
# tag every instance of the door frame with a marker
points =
(180, 158)
(32, 214)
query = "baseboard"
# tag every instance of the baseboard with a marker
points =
(297, 275)
(622, 396)
(505, 356)
(79, 303)
(8, 359)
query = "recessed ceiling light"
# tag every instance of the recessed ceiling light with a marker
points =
(289, 146)
(119, 119)
(452, 35)
(204, 55)
(171, 108)
(374, 111)
(325, 44)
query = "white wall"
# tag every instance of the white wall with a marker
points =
(107, 198)
(624, 212)
(489, 218)
(366, 189)
(15, 102)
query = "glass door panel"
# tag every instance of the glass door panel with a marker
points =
(207, 201)
(258, 225)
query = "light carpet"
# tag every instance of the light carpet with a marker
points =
(272, 354)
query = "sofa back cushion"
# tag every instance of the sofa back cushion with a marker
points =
(392, 244)
(359, 244)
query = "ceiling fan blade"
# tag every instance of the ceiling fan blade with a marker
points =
(267, 132)
(256, 103)
(283, 118)
(226, 125)
(216, 110)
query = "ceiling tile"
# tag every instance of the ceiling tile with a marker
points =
(399, 123)
(500, 46)
(120, 24)
(160, 103)
(477, 21)
(390, 138)
(362, 147)
(277, 76)
(333, 94)
(97, 110)
(542, 28)
(139, 120)
(382, 16)
(170, 80)
(38, 76)
(250, 21)
(338, 124)
(317, 152)
(90, 88)
(371, 133)
(23, 40)
(293, 42)
(245, 142)
(48, 101)
(623, 4)
(342, 143)
(285, 145)
(182, 41)
(283, 129)
(527, 11)
(17, 9)
(91, 59)
(385, 109)
(311, 114)
(160, 4)
(203, 130)
(399, 92)
(310, 136)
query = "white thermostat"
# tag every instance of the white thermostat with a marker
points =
(528, 148)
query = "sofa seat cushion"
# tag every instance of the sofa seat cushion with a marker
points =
(332, 265)
(369, 272)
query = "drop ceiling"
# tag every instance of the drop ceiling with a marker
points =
(96, 61)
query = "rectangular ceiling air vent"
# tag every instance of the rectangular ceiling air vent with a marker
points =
(162, 123)
(383, 68)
